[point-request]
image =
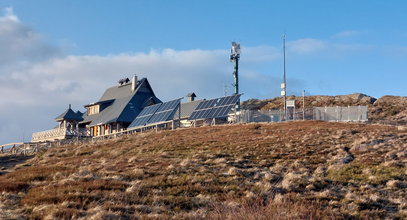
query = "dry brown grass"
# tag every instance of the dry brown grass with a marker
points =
(217, 171)
(288, 207)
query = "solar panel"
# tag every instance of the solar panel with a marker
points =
(156, 113)
(220, 112)
(222, 101)
(206, 104)
(196, 114)
(165, 112)
(149, 110)
(139, 121)
(169, 105)
(215, 108)
(145, 115)
(228, 100)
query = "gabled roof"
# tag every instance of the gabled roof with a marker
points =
(70, 115)
(123, 91)
(125, 104)
(187, 109)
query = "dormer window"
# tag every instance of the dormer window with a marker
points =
(93, 109)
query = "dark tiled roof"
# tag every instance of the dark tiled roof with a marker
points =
(70, 115)
(125, 105)
(121, 91)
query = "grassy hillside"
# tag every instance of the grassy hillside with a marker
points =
(255, 171)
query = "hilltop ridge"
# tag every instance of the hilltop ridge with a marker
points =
(387, 109)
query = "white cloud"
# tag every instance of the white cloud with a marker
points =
(347, 33)
(9, 15)
(20, 44)
(260, 54)
(306, 46)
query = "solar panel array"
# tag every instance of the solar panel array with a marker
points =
(215, 108)
(145, 115)
(156, 113)
(165, 111)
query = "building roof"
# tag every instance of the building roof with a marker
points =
(123, 104)
(187, 109)
(70, 115)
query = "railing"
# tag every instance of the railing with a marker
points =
(58, 134)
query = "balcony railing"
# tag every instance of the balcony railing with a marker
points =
(58, 134)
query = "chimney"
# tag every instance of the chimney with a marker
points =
(191, 97)
(133, 83)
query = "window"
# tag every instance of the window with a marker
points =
(94, 109)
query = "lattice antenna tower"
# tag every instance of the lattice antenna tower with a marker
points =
(234, 57)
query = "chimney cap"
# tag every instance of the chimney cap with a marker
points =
(191, 94)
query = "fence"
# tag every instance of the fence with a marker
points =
(350, 113)
(340, 114)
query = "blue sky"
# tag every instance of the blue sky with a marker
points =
(61, 52)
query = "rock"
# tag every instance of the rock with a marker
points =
(233, 171)
(328, 194)
(271, 177)
(361, 148)
(294, 182)
(402, 154)
(310, 187)
(346, 159)
(402, 128)
(320, 171)
(395, 184)
(185, 163)
(138, 172)
(249, 195)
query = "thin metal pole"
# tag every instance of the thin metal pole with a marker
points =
(285, 82)
(179, 115)
(237, 80)
(303, 104)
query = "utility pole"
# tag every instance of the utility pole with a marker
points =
(284, 84)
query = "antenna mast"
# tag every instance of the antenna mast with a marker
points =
(234, 57)
(284, 84)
